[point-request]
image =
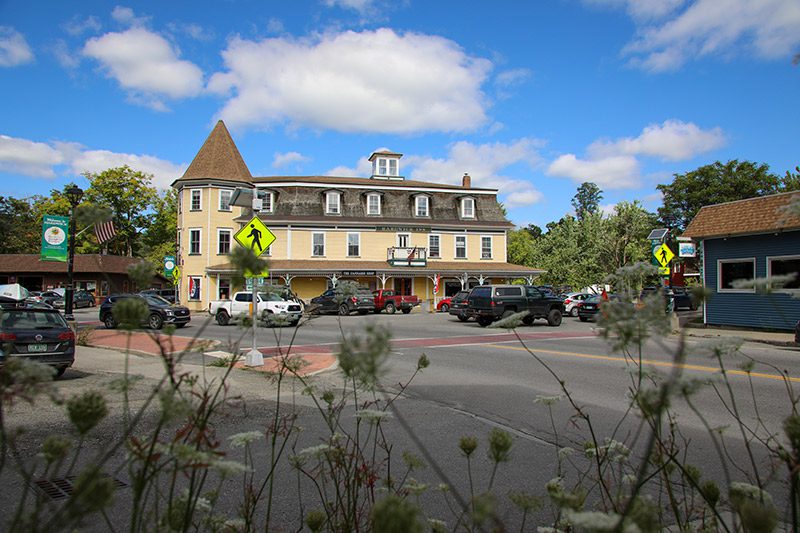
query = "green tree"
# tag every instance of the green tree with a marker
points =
(587, 200)
(128, 195)
(534, 230)
(626, 239)
(19, 226)
(717, 183)
(520, 247)
(159, 237)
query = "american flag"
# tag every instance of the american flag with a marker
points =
(104, 231)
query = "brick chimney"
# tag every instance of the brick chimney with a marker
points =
(466, 181)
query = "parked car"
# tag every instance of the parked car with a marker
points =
(572, 301)
(459, 305)
(445, 303)
(270, 307)
(333, 301)
(36, 333)
(160, 311)
(167, 294)
(47, 297)
(391, 301)
(681, 297)
(488, 303)
(79, 299)
(591, 306)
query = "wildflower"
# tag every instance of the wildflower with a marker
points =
(525, 501)
(547, 400)
(565, 452)
(500, 443)
(240, 440)
(754, 506)
(86, 410)
(395, 515)
(412, 461)
(467, 445)
(791, 426)
(437, 526)
(372, 415)
(423, 362)
(230, 468)
(55, 448)
(92, 492)
(364, 358)
(593, 520)
(315, 520)
(319, 451)
(415, 487)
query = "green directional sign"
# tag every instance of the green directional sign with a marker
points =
(55, 230)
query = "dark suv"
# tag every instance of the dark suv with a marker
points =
(37, 334)
(160, 311)
(167, 294)
(458, 305)
(488, 303)
(333, 301)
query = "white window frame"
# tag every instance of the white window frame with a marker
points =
(314, 234)
(199, 199)
(455, 252)
(438, 246)
(199, 232)
(220, 232)
(383, 166)
(393, 166)
(419, 201)
(357, 244)
(221, 194)
(408, 240)
(464, 202)
(268, 202)
(329, 196)
(772, 258)
(720, 262)
(483, 251)
(370, 197)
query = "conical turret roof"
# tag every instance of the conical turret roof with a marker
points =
(218, 158)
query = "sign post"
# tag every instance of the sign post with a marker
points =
(258, 238)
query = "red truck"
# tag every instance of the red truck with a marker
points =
(391, 301)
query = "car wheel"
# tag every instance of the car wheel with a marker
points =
(444, 308)
(390, 308)
(573, 312)
(463, 318)
(554, 318)
(60, 370)
(109, 321)
(344, 310)
(584, 318)
(155, 321)
(484, 321)
(223, 318)
(180, 325)
(406, 310)
(528, 320)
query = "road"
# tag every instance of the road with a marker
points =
(482, 378)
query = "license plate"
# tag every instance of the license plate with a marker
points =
(37, 348)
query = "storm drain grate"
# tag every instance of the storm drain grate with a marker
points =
(62, 487)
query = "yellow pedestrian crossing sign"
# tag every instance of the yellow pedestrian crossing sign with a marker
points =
(663, 255)
(255, 236)
(176, 275)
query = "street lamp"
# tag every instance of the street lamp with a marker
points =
(73, 194)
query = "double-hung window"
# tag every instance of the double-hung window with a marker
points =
(373, 204)
(333, 203)
(267, 202)
(434, 246)
(468, 208)
(194, 241)
(223, 241)
(353, 244)
(225, 199)
(787, 266)
(422, 209)
(318, 244)
(729, 271)
(197, 197)
(486, 247)
(461, 246)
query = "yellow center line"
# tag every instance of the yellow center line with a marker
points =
(686, 366)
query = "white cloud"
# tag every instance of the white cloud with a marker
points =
(673, 140)
(288, 158)
(643, 9)
(614, 172)
(362, 6)
(14, 49)
(765, 28)
(371, 81)
(50, 160)
(146, 65)
(66, 57)
(78, 26)
(125, 15)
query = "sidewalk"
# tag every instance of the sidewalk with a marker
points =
(765, 337)
(315, 359)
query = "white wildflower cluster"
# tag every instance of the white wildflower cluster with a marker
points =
(739, 490)
(415, 487)
(547, 400)
(240, 440)
(230, 468)
(317, 451)
(722, 347)
(565, 452)
(372, 415)
(615, 451)
(593, 520)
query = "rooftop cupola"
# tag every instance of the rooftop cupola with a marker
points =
(385, 165)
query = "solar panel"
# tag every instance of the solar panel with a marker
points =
(657, 234)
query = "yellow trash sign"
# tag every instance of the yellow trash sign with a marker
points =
(255, 236)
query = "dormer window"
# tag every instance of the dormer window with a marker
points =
(468, 207)
(373, 204)
(267, 201)
(386, 165)
(333, 203)
(422, 206)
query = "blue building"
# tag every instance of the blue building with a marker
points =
(757, 238)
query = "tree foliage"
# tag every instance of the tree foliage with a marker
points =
(718, 183)
(18, 226)
(159, 237)
(587, 200)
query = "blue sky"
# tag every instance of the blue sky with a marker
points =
(529, 97)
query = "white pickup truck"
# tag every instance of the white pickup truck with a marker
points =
(272, 309)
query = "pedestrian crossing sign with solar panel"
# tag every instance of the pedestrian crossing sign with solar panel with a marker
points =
(255, 236)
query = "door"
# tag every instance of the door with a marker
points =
(402, 286)
(535, 301)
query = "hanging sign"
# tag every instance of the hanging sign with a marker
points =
(686, 249)
(54, 238)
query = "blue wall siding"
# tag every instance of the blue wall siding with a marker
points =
(774, 311)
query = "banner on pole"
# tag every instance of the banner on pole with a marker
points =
(55, 230)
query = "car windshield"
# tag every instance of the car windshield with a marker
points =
(157, 300)
(20, 319)
(270, 297)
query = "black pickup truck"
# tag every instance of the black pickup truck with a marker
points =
(488, 303)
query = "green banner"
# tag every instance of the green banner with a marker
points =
(169, 265)
(54, 238)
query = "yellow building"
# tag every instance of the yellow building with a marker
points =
(383, 231)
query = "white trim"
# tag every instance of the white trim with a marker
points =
(439, 236)
(330, 195)
(229, 231)
(771, 258)
(219, 200)
(191, 199)
(418, 200)
(456, 247)
(372, 185)
(463, 211)
(397, 240)
(374, 195)
(491, 247)
(347, 244)
(734, 260)
(289, 242)
(271, 196)
(323, 243)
